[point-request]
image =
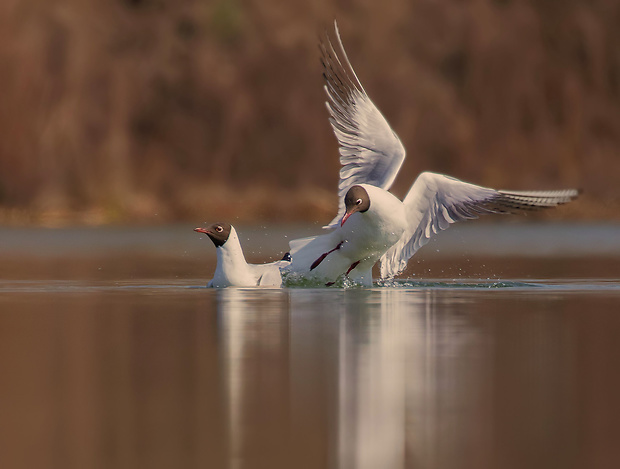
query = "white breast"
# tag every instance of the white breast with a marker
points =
(376, 230)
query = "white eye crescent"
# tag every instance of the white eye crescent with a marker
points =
(219, 229)
(358, 202)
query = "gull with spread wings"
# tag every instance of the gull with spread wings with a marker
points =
(372, 224)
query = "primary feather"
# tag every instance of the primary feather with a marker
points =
(435, 201)
(370, 151)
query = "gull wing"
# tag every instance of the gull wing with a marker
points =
(370, 151)
(269, 274)
(436, 201)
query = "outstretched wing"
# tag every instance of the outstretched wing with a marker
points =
(370, 151)
(435, 201)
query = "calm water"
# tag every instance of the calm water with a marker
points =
(113, 354)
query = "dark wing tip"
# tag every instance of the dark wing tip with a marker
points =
(520, 201)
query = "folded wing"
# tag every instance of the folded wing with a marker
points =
(269, 274)
(436, 201)
(370, 151)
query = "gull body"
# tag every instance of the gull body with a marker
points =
(354, 247)
(232, 270)
(387, 229)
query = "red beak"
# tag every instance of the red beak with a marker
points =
(345, 218)
(202, 230)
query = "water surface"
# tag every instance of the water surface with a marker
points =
(117, 356)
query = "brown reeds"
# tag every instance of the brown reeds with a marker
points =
(152, 110)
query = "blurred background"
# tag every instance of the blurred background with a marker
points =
(126, 123)
(157, 111)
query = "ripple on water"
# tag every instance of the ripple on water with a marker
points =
(197, 285)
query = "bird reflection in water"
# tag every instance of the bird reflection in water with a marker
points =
(343, 378)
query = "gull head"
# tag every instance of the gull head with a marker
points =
(356, 200)
(217, 232)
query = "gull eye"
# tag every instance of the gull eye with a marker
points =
(358, 202)
(219, 229)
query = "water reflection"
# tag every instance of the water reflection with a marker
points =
(253, 334)
(255, 378)
(354, 373)
(372, 380)
(396, 358)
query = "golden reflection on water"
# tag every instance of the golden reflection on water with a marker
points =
(254, 339)
(391, 378)
(260, 378)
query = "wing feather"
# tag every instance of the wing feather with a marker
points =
(435, 201)
(370, 151)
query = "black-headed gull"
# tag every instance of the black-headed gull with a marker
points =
(375, 220)
(232, 270)
(371, 223)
